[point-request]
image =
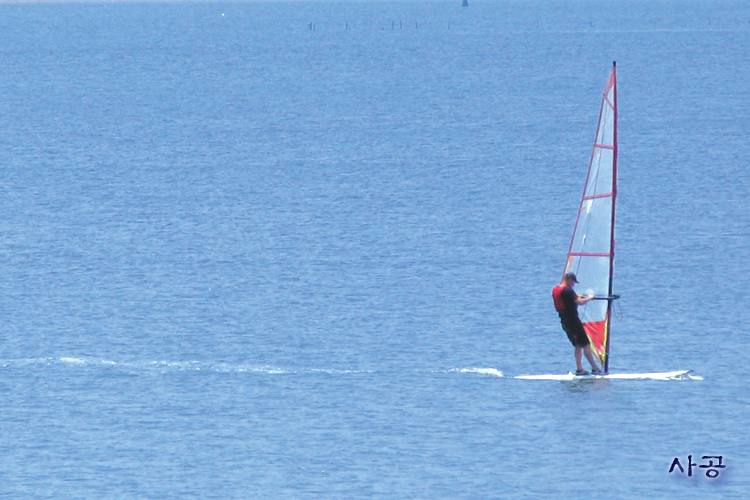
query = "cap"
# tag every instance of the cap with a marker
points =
(571, 276)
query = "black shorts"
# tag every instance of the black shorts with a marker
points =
(576, 334)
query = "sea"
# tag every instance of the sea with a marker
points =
(301, 250)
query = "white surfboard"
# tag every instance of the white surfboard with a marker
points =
(675, 375)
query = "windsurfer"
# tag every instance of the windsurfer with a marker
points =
(567, 301)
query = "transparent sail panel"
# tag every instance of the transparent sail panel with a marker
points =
(593, 233)
(593, 276)
(600, 177)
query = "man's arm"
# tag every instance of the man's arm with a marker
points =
(580, 299)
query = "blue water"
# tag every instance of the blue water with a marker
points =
(299, 250)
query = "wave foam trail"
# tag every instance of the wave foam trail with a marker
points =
(482, 371)
(73, 361)
(168, 366)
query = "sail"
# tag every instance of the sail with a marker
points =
(592, 248)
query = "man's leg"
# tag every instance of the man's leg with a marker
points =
(590, 357)
(578, 356)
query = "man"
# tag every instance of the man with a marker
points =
(566, 303)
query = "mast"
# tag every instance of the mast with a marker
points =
(614, 199)
(592, 246)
